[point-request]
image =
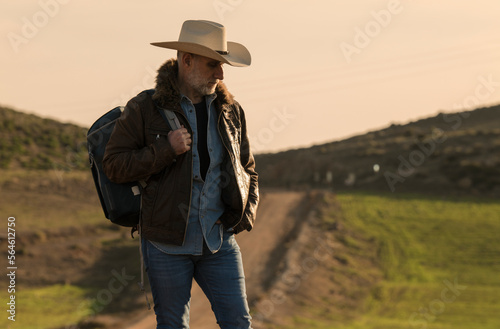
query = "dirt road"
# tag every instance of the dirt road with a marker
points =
(279, 214)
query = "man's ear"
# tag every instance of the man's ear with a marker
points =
(187, 59)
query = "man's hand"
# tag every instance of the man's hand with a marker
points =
(180, 140)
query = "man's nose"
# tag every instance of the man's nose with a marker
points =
(219, 72)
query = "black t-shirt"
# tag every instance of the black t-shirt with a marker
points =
(202, 126)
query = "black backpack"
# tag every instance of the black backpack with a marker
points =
(121, 203)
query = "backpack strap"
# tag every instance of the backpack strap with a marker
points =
(171, 118)
(168, 115)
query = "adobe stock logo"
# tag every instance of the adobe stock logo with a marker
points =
(223, 6)
(436, 307)
(30, 27)
(363, 37)
(280, 120)
(485, 87)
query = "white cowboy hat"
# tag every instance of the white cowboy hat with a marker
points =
(208, 39)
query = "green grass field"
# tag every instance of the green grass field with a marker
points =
(58, 305)
(440, 261)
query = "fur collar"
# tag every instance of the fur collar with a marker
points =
(167, 92)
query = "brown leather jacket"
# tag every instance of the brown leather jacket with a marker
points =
(139, 150)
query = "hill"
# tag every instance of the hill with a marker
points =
(447, 153)
(451, 153)
(30, 142)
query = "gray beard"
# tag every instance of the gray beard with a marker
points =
(201, 85)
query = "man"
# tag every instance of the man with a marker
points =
(202, 187)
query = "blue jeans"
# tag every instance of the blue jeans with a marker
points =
(219, 275)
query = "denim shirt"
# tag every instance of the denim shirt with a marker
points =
(206, 202)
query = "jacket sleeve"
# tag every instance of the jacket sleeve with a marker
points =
(127, 158)
(248, 163)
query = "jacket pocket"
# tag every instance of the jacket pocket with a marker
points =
(154, 133)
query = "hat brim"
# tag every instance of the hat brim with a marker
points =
(238, 55)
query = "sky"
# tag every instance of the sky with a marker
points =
(321, 70)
